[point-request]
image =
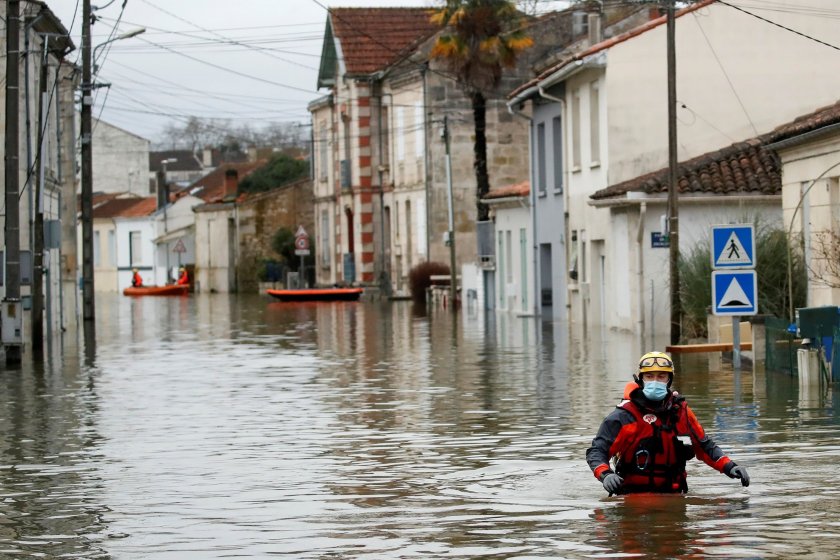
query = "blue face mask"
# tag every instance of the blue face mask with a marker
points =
(655, 390)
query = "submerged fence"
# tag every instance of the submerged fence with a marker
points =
(781, 346)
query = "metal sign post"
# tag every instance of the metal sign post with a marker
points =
(301, 249)
(734, 280)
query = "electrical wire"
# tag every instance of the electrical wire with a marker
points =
(728, 80)
(771, 22)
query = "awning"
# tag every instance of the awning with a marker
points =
(175, 234)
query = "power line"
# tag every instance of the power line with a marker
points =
(771, 22)
(729, 81)
(229, 70)
(225, 39)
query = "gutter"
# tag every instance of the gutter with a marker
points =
(624, 202)
(804, 137)
(640, 266)
(506, 200)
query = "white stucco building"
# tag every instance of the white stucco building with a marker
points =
(737, 78)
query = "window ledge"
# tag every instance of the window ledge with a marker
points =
(558, 191)
(542, 193)
(594, 164)
(576, 169)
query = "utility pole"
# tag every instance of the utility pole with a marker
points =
(673, 209)
(12, 175)
(88, 309)
(453, 276)
(38, 229)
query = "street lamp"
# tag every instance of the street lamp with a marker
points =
(126, 35)
(87, 86)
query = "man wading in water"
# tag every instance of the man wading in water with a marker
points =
(642, 431)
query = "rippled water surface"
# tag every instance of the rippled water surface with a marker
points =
(220, 427)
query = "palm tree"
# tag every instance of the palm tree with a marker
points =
(481, 38)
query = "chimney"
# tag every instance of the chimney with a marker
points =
(207, 157)
(595, 35)
(252, 154)
(231, 182)
(162, 189)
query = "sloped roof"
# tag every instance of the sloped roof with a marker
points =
(751, 167)
(744, 167)
(187, 161)
(212, 185)
(602, 46)
(806, 124)
(371, 38)
(522, 188)
(126, 208)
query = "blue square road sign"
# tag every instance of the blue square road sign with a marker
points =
(733, 246)
(734, 292)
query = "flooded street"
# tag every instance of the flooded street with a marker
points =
(219, 427)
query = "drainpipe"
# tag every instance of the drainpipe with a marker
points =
(567, 179)
(426, 158)
(640, 237)
(384, 279)
(537, 298)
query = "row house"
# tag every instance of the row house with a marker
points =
(215, 241)
(381, 184)
(809, 155)
(600, 121)
(123, 239)
(353, 179)
(46, 174)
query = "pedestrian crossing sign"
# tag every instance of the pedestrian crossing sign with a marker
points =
(733, 246)
(734, 292)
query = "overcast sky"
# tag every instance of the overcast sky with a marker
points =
(247, 60)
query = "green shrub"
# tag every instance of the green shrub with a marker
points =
(695, 267)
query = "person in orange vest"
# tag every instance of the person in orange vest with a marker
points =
(643, 433)
(136, 279)
(183, 277)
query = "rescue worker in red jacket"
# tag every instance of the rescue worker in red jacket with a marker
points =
(642, 434)
(183, 277)
(136, 279)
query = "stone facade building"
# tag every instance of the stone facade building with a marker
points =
(260, 216)
(381, 186)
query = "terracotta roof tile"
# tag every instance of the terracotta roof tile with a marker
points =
(213, 184)
(517, 189)
(745, 167)
(820, 118)
(372, 38)
(126, 208)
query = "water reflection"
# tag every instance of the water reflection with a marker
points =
(212, 426)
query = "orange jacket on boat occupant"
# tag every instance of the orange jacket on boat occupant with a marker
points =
(136, 279)
(183, 278)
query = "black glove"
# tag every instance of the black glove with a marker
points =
(612, 482)
(738, 472)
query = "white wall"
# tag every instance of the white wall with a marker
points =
(514, 282)
(776, 76)
(811, 182)
(214, 258)
(120, 160)
(145, 261)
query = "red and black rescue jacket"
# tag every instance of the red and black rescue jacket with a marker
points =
(643, 437)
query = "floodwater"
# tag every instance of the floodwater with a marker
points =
(222, 427)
